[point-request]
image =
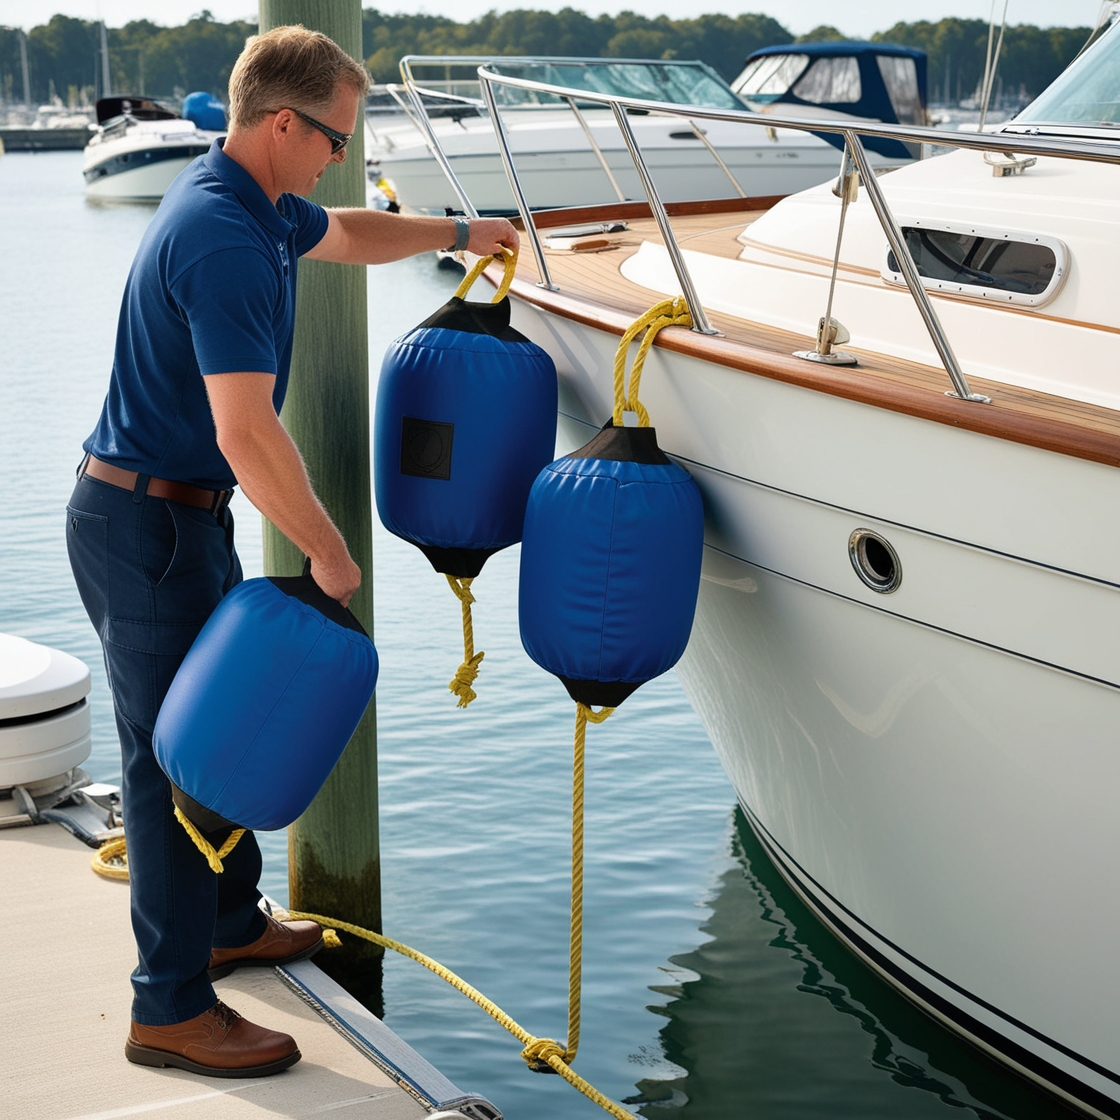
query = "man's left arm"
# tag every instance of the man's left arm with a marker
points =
(361, 236)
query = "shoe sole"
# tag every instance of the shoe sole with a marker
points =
(149, 1056)
(223, 970)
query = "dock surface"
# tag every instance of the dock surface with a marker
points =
(65, 1010)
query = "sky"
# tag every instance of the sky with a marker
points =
(856, 18)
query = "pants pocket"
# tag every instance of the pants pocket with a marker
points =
(87, 544)
(142, 659)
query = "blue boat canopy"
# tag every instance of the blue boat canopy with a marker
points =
(876, 81)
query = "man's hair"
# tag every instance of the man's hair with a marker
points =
(290, 68)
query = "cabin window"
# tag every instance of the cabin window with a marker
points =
(986, 264)
(900, 76)
(830, 81)
(768, 77)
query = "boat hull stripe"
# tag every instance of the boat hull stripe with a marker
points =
(841, 918)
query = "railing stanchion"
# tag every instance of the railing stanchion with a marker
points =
(515, 185)
(595, 147)
(909, 270)
(700, 322)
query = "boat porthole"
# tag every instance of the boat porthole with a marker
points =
(875, 561)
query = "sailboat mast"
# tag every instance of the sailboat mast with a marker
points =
(106, 85)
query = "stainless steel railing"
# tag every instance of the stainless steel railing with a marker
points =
(1012, 145)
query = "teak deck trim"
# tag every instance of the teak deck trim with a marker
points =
(593, 292)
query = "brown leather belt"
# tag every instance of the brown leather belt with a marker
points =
(199, 497)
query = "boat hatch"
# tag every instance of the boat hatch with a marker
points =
(993, 265)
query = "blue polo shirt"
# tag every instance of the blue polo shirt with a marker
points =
(212, 290)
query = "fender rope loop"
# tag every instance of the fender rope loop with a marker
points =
(508, 257)
(213, 856)
(461, 684)
(465, 675)
(668, 313)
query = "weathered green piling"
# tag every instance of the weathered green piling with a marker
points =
(334, 865)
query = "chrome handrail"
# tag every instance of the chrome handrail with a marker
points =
(688, 289)
(851, 133)
(515, 183)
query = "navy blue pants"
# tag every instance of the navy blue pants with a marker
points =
(149, 572)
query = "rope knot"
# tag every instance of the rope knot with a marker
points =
(537, 1053)
(460, 684)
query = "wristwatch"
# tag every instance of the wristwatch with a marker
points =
(462, 235)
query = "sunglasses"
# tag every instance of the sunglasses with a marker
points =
(338, 140)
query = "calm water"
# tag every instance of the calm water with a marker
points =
(709, 992)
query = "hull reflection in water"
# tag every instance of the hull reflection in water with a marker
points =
(774, 1005)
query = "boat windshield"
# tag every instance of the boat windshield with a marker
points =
(767, 78)
(681, 83)
(1088, 92)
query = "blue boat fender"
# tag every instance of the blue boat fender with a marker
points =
(610, 560)
(262, 708)
(465, 420)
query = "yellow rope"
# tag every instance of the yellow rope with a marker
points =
(111, 860)
(213, 857)
(667, 313)
(465, 675)
(460, 685)
(539, 1054)
(575, 941)
(508, 257)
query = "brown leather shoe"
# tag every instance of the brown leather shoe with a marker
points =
(217, 1043)
(281, 943)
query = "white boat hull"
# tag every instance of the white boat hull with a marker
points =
(143, 183)
(139, 161)
(936, 779)
(557, 167)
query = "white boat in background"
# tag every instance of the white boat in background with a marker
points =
(904, 649)
(572, 154)
(140, 145)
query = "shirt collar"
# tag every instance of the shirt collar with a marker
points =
(247, 189)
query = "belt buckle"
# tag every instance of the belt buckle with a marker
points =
(222, 499)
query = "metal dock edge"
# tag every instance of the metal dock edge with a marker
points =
(380, 1045)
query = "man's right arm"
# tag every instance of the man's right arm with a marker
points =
(270, 471)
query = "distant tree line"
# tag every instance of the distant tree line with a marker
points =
(63, 54)
(1031, 57)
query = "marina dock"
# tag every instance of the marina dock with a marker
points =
(66, 1016)
(44, 139)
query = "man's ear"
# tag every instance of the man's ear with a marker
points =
(282, 124)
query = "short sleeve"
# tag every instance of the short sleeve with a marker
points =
(230, 300)
(309, 219)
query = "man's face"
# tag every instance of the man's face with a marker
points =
(309, 153)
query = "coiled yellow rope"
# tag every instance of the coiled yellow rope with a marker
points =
(668, 313)
(111, 860)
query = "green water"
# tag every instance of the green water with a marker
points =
(709, 992)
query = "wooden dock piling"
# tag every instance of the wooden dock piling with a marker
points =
(334, 864)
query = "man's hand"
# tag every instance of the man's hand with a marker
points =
(339, 580)
(490, 235)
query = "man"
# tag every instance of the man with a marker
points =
(200, 371)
